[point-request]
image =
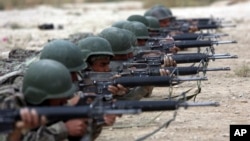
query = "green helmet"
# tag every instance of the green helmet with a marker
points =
(139, 29)
(85, 54)
(138, 18)
(164, 8)
(96, 46)
(160, 13)
(131, 36)
(47, 79)
(153, 23)
(118, 39)
(64, 52)
(119, 24)
(148, 12)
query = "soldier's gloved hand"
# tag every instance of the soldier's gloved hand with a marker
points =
(109, 119)
(30, 119)
(76, 127)
(168, 61)
(164, 72)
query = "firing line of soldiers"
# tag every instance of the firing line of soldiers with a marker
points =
(78, 84)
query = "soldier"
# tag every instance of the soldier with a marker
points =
(138, 18)
(153, 26)
(45, 83)
(166, 19)
(122, 48)
(161, 13)
(70, 55)
(98, 53)
(66, 53)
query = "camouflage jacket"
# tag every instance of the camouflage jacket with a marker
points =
(11, 99)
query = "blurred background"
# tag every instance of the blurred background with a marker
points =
(20, 4)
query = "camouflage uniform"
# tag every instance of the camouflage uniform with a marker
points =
(70, 55)
(31, 89)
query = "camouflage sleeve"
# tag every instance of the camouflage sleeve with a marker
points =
(59, 130)
(94, 133)
(9, 99)
(136, 93)
(55, 132)
(3, 137)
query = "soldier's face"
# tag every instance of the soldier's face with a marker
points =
(141, 42)
(101, 65)
(58, 102)
(164, 22)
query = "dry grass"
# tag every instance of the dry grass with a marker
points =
(243, 70)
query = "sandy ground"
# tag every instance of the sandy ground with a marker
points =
(198, 123)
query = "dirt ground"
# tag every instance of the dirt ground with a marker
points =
(195, 123)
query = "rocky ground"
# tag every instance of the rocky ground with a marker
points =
(18, 29)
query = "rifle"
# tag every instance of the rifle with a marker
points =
(203, 21)
(100, 85)
(184, 27)
(185, 36)
(180, 58)
(166, 47)
(60, 113)
(142, 69)
(214, 26)
(199, 43)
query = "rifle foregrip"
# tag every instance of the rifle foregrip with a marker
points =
(183, 70)
(207, 26)
(143, 81)
(193, 44)
(186, 36)
(189, 58)
(146, 106)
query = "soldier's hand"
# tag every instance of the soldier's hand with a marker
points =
(30, 119)
(74, 100)
(109, 119)
(164, 72)
(193, 28)
(117, 90)
(76, 127)
(168, 61)
(174, 49)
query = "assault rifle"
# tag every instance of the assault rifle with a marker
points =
(8, 117)
(165, 47)
(180, 58)
(213, 26)
(185, 36)
(202, 21)
(143, 69)
(184, 27)
(98, 82)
